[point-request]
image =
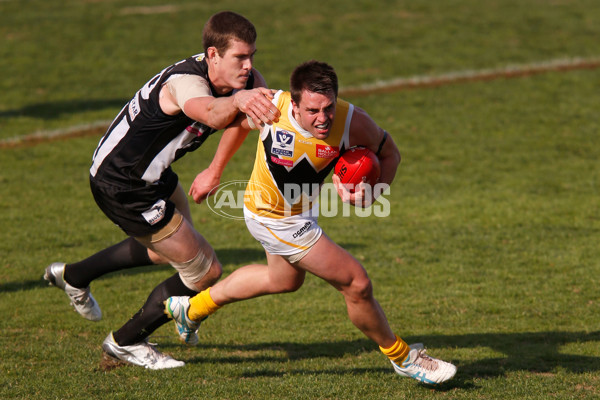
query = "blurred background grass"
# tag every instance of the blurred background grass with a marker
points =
(71, 62)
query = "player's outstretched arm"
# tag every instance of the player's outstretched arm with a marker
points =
(220, 112)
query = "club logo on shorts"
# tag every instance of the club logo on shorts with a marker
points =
(302, 230)
(156, 212)
(283, 145)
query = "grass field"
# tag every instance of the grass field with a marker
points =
(490, 255)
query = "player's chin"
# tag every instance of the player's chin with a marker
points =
(243, 80)
(320, 134)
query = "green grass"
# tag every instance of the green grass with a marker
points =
(490, 254)
(73, 62)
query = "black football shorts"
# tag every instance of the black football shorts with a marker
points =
(138, 211)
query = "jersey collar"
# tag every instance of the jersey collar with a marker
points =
(296, 125)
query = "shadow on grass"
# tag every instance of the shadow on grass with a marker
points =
(536, 352)
(41, 283)
(238, 257)
(56, 109)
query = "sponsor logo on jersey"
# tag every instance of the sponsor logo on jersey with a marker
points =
(197, 129)
(134, 107)
(281, 161)
(283, 145)
(156, 212)
(325, 151)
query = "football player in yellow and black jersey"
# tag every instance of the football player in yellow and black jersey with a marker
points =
(300, 150)
(133, 183)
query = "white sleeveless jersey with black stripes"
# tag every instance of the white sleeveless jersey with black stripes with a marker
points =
(142, 141)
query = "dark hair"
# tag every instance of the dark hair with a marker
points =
(225, 26)
(314, 76)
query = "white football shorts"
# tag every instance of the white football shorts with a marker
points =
(291, 237)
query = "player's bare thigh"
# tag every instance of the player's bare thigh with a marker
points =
(330, 262)
(181, 245)
(187, 251)
(180, 200)
(182, 205)
(285, 276)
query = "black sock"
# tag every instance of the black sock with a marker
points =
(152, 315)
(127, 254)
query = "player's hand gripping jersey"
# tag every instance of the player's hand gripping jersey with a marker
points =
(291, 164)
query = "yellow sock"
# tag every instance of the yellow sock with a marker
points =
(201, 306)
(397, 352)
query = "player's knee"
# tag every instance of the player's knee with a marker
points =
(215, 272)
(360, 289)
(203, 267)
(291, 285)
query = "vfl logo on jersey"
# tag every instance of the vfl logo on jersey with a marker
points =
(155, 213)
(283, 145)
(325, 151)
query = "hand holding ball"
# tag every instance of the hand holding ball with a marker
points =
(357, 164)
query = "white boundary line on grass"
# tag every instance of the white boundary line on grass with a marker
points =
(510, 71)
(415, 82)
(76, 130)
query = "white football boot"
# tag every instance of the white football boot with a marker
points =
(81, 299)
(424, 368)
(176, 307)
(142, 354)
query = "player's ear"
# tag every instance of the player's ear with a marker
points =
(211, 53)
(295, 106)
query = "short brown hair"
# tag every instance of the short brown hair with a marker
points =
(314, 76)
(225, 26)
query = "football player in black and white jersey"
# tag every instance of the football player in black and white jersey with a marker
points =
(133, 183)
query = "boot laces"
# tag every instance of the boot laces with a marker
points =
(426, 362)
(81, 297)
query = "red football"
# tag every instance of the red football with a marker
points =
(355, 164)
